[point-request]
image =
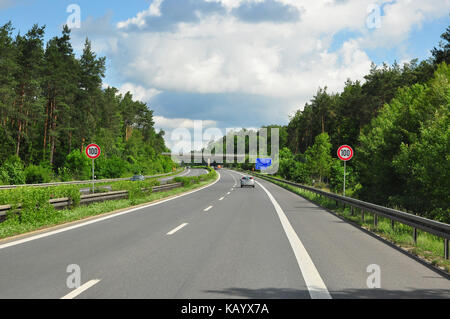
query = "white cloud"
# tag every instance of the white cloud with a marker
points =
(224, 55)
(139, 20)
(154, 9)
(139, 93)
(400, 18)
(218, 53)
(171, 125)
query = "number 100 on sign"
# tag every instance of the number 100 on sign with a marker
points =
(345, 153)
(93, 151)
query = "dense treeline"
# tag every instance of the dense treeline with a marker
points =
(398, 123)
(52, 106)
(397, 120)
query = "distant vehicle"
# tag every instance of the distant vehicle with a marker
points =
(247, 181)
(138, 178)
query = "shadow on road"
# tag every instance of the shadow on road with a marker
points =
(282, 293)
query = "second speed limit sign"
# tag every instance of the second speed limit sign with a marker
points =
(345, 153)
(93, 151)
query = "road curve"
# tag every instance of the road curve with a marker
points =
(218, 242)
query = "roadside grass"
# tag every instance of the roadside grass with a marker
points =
(28, 195)
(429, 247)
(48, 217)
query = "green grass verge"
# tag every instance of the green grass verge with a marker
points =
(48, 217)
(429, 247)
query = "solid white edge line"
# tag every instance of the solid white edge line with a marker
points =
(316, 287)
(51, 233)
(207, 209)
(81, 289)
(177, 229)
(234, 179)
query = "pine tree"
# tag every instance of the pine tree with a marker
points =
(30, 54)
(60, 86)
(8, 82)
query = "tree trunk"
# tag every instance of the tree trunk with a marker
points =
(83, 140)
(19, 122)
(45, 129)
(52, 147)
(70, 142)
(323, 124)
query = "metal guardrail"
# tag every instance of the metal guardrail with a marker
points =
(87, 182)
(61, 203)
(418, 223)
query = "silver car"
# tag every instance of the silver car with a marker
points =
(247, 181)
(137, 178)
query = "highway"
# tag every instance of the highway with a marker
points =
(217, 242)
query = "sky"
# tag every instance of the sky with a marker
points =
(237, 63)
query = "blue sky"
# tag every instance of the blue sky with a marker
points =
(238, 62)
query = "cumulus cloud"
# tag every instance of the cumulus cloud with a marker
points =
(269, 10)
(237, 63)
(139, 93)
(400, 18)
(165, 15)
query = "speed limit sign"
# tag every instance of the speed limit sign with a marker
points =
(345, 153)
(93, 151)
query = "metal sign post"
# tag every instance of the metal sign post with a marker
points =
(345, 153)
(93, 177)
(345, 169)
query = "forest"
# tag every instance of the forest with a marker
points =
(53, 105)
(396, 120)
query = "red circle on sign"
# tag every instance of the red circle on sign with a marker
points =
(345, 153)
(93, 151)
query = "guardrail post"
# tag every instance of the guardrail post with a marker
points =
(392, 223)
(353, 211)
(362, 215)
(415, 236)
(446, 253)
(375, 220)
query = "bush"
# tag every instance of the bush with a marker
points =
(38, 174)
(300, 173)
(11, 172)
(337, 177)
(113, 167)
(78, 165)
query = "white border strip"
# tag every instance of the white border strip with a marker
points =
(177, 229)
(58, 231)
(81, 289)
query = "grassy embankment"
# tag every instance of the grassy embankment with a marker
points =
(37, 213)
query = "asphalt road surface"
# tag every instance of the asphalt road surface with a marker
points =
(217, 242)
